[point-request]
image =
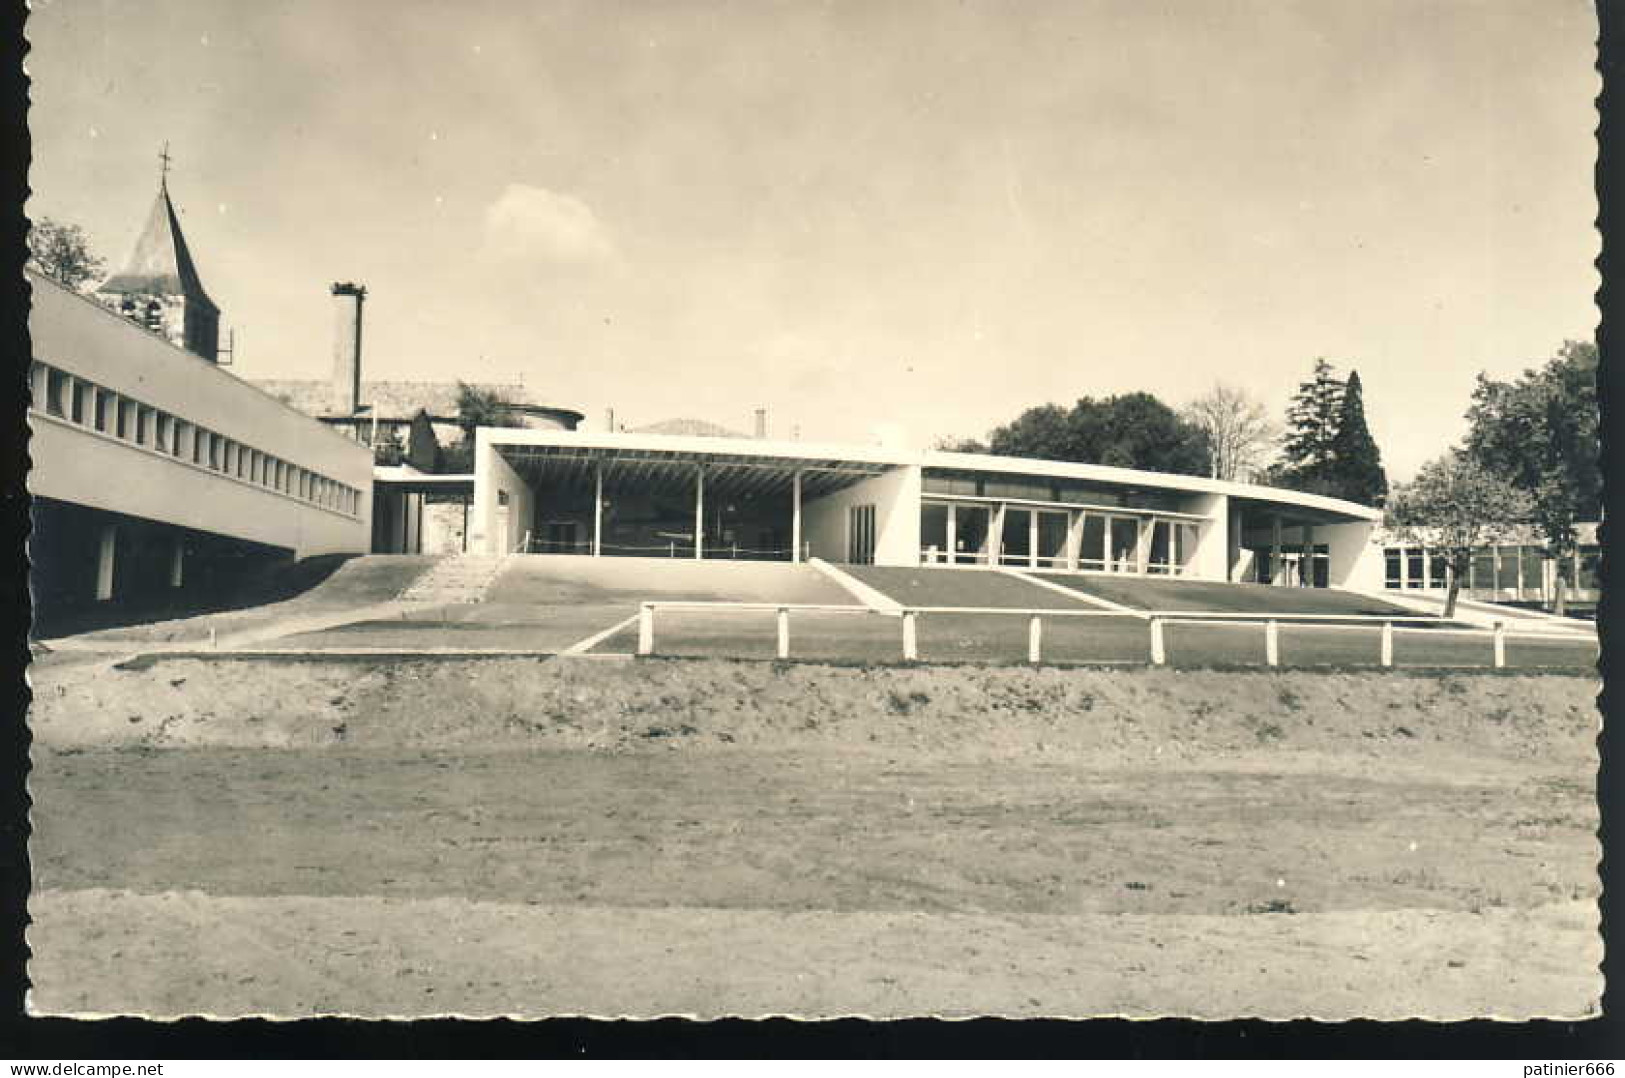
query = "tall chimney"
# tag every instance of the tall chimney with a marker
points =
(761, 423)
(347, 300)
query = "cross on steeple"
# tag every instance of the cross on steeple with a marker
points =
(163, 174)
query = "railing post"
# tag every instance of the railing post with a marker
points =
(784, 632)
(1387, 643)
(1035, 640)
(911, 639)
(646, 629)
(1500, 644)
(1159, 654)
(1272, 643)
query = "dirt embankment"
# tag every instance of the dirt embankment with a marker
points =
(1105, 716)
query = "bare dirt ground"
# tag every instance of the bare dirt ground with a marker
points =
(708, 837)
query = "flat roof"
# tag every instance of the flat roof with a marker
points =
(834, 457)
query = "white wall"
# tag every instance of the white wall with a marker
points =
(896, 498)
(78, 464)
(1355, 560)
(494, 528)
(1211, 560)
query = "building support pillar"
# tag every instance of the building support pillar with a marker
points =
(598, 510)
(1032, 538)
(995, 536)
(1142, 545)
(1306, 559)
(106, 551)
(795, 516)
(952, 537)
(1074, 538)
(1277, 570)
(699, 512)
(177, 562)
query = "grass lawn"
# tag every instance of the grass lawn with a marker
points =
(1143, 593)
(961, 587)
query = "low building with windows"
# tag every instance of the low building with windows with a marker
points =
(632, 494)
(154, 468)
(1520, 572)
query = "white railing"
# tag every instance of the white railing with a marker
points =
(1157, 620)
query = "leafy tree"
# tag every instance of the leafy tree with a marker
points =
(1454, 507)
(1238, 430)
(1539, 432)
(952, 443)
(1133, 430)
(1312, 420)
(477, 406)
(61, 252)
(1356, 464)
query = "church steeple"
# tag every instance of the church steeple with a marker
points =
(159, 284)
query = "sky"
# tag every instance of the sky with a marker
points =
(918, 215)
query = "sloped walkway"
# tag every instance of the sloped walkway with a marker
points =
(461, 578)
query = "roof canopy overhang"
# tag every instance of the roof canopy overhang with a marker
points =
(734, 474)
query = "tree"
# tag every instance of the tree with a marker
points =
(477, 406)
(1237, 428)
(1540, 433)
(1454, 507)
(953, 443)
(1133, 430)
(1312, 420)
(1356, 464)
(61, 252)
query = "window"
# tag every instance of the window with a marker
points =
(143, 424)
(1033, 490)
(161, 432)
(121, 418)
(860, 534)
(1092, 551)
(182, 431)
(56, 387)
(947, 483)
(1125, 545)
(1413, 569)
(200, 446)
(77, 395)
(1392, 558)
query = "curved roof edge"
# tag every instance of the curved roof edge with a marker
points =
(928, 458)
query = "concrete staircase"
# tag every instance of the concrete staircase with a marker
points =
(461, 578)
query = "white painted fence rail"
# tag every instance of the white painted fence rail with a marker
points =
(1158, 621)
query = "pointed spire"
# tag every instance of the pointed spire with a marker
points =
(161, 264)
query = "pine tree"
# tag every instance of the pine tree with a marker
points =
(1356, 464)
(1312, 420)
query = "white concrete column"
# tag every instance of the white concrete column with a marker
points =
(1032, 538)
(953, 533)
(995, 535)
(105, 554)
(1074, 538)
(795, 516)
(1142, 544)
(177, 562)
(598, 511)
(699, 512)
(1276, 572)
(1306, 559)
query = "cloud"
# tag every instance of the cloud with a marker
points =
(532, 224)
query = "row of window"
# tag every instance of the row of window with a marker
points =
(1517, 569)
(72, 398)
(1021, 488)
